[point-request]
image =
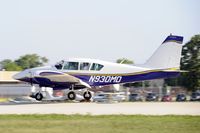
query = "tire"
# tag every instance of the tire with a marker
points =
(71, 95)
(39, 96)
(87, 95)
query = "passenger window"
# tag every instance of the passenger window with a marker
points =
(71, 66)
(84, 66)
(96, 67)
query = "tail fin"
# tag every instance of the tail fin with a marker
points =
(168, 55)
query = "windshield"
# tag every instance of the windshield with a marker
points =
(59, 65)
(151, 94)
(181, 95)
(194, 94)
(134, 94)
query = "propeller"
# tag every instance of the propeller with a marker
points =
(31, 78)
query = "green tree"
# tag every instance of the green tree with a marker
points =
(30, 61)
(24, 62)
(12, 67)
(9, 65)
(191, 62)
(4, 62)
(124, 61)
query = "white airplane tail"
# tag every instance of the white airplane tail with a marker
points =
(168, 55)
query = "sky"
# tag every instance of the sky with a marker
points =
(99, 29)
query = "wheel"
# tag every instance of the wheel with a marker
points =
(87, 95)
(71, 95)
(39, 96)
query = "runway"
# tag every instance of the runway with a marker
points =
(137, 108)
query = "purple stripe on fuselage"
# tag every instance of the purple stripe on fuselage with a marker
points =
(127, 78)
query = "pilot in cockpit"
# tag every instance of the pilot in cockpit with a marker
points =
(85, 66)
(59, 65)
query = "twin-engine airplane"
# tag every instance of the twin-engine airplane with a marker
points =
(74, 74)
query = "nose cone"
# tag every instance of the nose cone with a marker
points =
(21, 75)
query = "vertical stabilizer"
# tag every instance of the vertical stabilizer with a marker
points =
(168, 55)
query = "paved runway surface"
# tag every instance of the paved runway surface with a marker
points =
(143, 108)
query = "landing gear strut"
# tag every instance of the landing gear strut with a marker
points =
(71, 95)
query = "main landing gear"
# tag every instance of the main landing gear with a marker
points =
(71, 95)
(87, 95)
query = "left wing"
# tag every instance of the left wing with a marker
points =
(55, 76)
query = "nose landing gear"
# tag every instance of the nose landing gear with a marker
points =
(38, 96)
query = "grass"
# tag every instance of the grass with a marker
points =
(98, 124)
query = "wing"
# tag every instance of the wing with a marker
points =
(55, 76)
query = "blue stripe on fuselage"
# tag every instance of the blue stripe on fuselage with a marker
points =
(106, 80)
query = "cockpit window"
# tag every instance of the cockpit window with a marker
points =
(84, 66)
(71, 66)
(59, 65)
(96, 67)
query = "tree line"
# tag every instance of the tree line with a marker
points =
(23, 62)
